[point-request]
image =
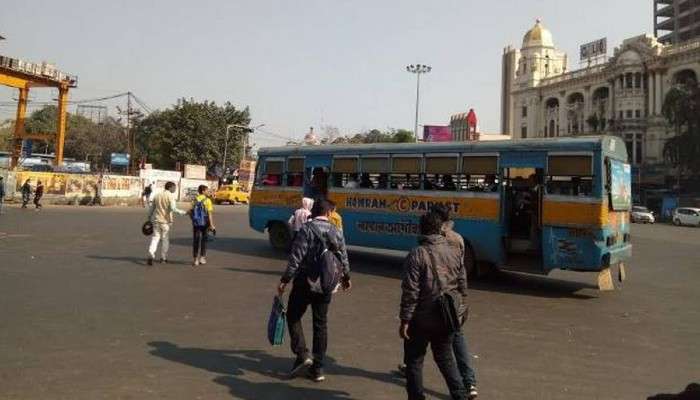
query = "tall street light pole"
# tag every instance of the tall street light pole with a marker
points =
(245, 129)
(418, 69)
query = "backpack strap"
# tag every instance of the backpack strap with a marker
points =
(433, 269)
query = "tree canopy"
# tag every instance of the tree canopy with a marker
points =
(192, 132)
(376, 136)
(681, 109)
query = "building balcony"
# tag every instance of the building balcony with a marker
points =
(666, 25)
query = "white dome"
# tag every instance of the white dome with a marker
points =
(538, 36)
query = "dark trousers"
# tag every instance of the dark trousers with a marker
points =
(199, 241)
(37, 201)
(463, 359)
(299, 299)
(414, 353)
(25, 199)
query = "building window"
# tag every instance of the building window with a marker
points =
(638, 149)
(638, 80)
(638, 113)
(524, 112)
(629, 114)
(523, 132)
(622, 114)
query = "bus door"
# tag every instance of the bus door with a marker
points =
(521, 213)
(316, 175)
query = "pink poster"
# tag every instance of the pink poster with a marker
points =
(436, 133)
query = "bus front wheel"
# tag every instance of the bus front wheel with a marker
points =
(280, 238)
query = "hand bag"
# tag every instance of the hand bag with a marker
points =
(277, 322)
(449, 303)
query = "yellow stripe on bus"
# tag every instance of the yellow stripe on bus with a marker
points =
(573, 213)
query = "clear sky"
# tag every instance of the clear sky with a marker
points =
(304, 63)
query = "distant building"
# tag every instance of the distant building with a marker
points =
(676, 21)
(622, 96)
(464, 126)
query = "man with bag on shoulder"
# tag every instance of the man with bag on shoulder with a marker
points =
(434, 295)
(161, 215)
(318, 264)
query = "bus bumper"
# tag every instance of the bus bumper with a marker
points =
(614, 267)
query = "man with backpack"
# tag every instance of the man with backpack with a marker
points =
(202, 221)
(318, 265)
(433, 273)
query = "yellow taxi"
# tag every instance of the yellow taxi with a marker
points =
(231, 194)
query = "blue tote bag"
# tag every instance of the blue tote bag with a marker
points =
(277, 322)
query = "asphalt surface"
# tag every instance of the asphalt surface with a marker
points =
(82, 317)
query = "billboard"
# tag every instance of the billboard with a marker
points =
(193, 171)
(119, 159)
(594, 49)
(437, 133)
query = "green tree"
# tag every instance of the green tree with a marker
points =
(192, 132)
(681, 109)
(7, 129)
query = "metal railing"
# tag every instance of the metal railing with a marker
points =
(43, 70)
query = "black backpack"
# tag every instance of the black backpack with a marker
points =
(325, 268)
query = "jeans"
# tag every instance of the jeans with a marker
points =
(414, 353)
(37, 201)
(25, 199)
(161, 234)
(463, 360)
(299, 299)
(199, 241)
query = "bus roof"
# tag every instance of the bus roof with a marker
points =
(611, 145)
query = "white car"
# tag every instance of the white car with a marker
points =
(642, 214)
(686, 216)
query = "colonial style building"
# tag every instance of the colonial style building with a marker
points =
(541, 97)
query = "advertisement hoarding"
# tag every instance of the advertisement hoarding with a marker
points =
(596, 48)
(437, 133)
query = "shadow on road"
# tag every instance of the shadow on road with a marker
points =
(134, 260)
(243, 246)
(234, 364)
(531, 285)
(691, 392)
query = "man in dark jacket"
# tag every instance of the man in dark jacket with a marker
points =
(305, 247)
(26, 190)
(2, 193)
(38, 194)
(421, 320)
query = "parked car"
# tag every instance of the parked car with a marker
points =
(231, 194)
(642, 214)
(686, 216)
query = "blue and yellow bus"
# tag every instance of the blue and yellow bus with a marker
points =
(530, 205)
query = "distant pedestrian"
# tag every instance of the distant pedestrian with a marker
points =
(431, 269)
(334, 217)
(146, 195)
(301, 215)
(161, 215)
(26, 190)
(38, 194)
(202, 215)
(2, 193)
(307, 249)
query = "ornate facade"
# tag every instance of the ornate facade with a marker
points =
(623, 96)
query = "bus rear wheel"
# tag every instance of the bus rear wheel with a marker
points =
(279, 235)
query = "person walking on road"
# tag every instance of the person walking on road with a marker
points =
(38, 194)
(430, 269)
(146, 195)
(26, 190)
(308, 247)
(301, 216)
(2, 193)
(202, 221)
(161, 215)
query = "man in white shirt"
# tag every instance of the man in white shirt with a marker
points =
(161, 215)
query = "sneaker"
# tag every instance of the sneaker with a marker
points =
(195, 262)
(472, 393)
(316, 375)
(202, 260)
(149, 261)
(300, 364)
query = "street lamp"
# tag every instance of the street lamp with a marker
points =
(245, 129)
(418, 69)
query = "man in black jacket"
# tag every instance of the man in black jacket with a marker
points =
(305, 247)
(421, 319)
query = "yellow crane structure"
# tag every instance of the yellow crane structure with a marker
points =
(25, 76)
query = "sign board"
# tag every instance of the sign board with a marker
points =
(193, 171)
(435, 133)
(119, 159)
(152, 175)
(621, 185)
(594, 49)
(246, 174)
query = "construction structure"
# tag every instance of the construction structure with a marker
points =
(24, 76)
(676, 21)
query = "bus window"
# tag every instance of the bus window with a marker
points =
(344, 171)
(273, 173)
(374, 172)
(406, 172)
(295, 172)
(479, 174)
(570, 175)
(440, 172)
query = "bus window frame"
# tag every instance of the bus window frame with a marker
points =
(331, 172)
(377, 175)
(287, 173)
(263, 171)
(592, 176)
(420, 173)
(497, 173)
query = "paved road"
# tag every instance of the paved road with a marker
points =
(81, 317)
